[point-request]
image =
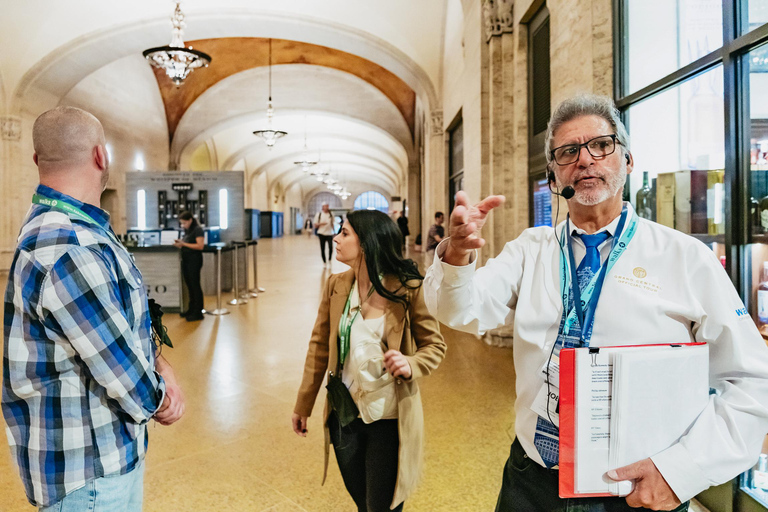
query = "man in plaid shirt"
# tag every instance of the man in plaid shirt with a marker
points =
(80, 375)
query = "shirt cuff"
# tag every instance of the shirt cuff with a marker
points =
(455, 275)
(159, 391)
(680, 471)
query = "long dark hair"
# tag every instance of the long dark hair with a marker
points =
(185, 215)
(381, 243)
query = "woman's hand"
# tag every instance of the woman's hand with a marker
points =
(299, 424)
(397, 364)
(178, 243)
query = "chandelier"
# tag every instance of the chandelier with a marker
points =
(177, 61)
(306, 164)
(270, 136)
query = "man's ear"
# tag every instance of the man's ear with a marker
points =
(100, 157)
(630, 162)
(34, 158)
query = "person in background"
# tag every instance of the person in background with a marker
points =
(641, 283)
(402, 223)
(372, 330)
(324, 227)
(81, 377)
(435, 236)
(192, 245)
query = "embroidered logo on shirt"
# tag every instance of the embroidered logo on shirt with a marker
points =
(639, 272)
(742, 312)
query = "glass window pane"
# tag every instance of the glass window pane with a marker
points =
(677, 140)
(757, 14)
(665, 35)
(755, 481)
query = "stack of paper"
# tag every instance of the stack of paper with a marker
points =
(620, 405)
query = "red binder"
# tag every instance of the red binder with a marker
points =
(567, 412)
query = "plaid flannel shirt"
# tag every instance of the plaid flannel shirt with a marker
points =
(79, 383)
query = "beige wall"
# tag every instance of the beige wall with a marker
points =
(488, 82)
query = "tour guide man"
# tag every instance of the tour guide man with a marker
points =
(665, 287)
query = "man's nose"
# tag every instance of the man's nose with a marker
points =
(585, 158)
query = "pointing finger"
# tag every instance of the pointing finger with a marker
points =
(489, 203)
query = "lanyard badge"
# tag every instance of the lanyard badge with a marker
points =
(585, 302)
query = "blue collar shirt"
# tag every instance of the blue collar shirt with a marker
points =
(79, 384)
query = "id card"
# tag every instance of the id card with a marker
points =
(547, 403)
(554, 370)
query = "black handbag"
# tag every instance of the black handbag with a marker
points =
(341, 400)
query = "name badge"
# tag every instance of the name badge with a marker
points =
(547, 403)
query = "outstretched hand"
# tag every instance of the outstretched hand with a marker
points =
(466, 223)
(650, 489)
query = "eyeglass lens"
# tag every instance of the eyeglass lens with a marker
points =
(597, 147)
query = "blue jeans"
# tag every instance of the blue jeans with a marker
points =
(121, 493)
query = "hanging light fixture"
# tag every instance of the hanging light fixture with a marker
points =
(177, 61)
(270, 136)
(306, 164)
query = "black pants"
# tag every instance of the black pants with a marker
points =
(528, 487)
(367, 457)
(191, 263)
(326, 239)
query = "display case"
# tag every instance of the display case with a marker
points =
(691, 81)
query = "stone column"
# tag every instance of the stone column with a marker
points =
(10, 142)
(499, 176)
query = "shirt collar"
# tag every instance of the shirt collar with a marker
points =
(610, 228)
(96, 213)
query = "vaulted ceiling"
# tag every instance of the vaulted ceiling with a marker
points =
(349, 74)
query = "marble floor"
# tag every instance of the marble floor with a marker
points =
(235, 450)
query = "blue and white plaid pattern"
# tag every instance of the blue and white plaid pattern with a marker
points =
(547, 437)
(79, 383)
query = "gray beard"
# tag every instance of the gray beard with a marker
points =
(614, 184)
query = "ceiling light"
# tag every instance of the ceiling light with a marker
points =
(177, 61)
(270, 135)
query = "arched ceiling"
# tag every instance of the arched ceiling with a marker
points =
(232, 55)
(54, 51)
(296, 90)
(355, 71)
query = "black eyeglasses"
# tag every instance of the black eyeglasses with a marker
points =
(598, 147)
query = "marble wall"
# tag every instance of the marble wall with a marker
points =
(487, 82)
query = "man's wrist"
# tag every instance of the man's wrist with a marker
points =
(455, 257)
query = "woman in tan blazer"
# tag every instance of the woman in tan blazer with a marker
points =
(380, 452)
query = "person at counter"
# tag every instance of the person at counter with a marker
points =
(191, 263)
(81, 376)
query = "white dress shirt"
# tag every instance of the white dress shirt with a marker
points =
(666, 287)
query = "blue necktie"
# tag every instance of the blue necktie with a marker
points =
(591, 262)
(546, 439)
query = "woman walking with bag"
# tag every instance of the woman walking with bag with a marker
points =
(374, 338)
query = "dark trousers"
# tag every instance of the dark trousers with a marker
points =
(528, 487)
(326, 239)
(367, 457)
(191, 263)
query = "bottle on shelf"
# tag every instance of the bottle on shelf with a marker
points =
(763, 207)
(754, 216)
(644, 200)
(762, 301)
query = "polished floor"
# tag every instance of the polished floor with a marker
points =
(235, 450)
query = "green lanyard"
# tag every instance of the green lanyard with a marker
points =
(345, 324)
(73, 211)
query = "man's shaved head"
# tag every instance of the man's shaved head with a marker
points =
(66, 135)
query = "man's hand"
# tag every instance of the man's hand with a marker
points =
(650, 489)
(299, 424)
(397, 364)
(172, 408)
(466, 223)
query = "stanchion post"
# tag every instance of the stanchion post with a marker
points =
(248, 292)
(236, 300)
(219, 310)
(256, 288)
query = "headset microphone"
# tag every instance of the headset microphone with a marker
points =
(568, 191)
